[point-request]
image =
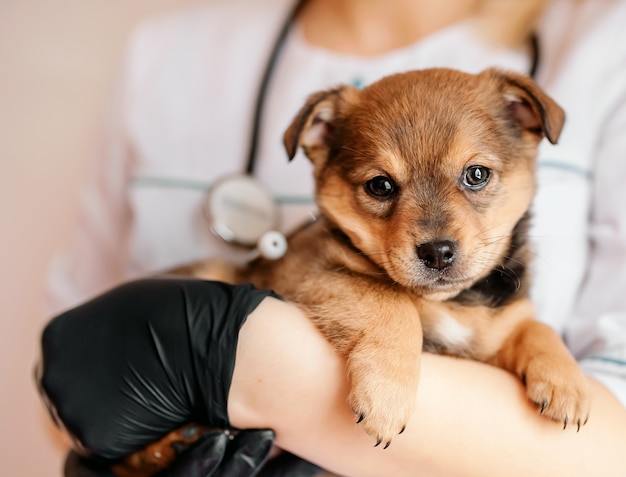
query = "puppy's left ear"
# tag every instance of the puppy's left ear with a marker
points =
(314, 125)
(529, 106)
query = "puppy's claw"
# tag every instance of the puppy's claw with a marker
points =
(383, 400)
(387, 445)
(402, 430)
(562, 396)
(578, 426)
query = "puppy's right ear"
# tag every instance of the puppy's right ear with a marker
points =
(313, 126)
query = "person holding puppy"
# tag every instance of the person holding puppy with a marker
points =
(185, 102)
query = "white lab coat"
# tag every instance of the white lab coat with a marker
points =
(183, 118)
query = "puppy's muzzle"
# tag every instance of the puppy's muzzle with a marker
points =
(438, 255)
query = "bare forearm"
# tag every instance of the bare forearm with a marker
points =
(470, 420)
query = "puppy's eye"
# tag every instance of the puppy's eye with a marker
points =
(380, 187)
(476, 177)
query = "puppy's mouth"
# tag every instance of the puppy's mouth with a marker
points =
(441, 283)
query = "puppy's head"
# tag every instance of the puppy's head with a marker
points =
(428, 172)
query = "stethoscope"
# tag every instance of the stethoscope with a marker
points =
(238, 208)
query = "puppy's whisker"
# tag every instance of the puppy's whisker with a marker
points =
(495, 226)
(377, 252)
(513, 276)
(495, 240)
(484, 234)
(350, 149)
(489, 253)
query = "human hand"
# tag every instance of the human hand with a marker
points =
(216, 453)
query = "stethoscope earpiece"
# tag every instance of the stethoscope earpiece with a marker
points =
(272, 245)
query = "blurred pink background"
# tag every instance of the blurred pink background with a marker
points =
(57, 60)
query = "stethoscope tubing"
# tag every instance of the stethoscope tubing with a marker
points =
(268, 72)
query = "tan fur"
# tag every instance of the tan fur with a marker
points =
(357, 271)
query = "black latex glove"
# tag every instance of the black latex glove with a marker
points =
(131, 365)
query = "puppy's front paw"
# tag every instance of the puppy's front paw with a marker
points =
(559, 390)
(383, 404)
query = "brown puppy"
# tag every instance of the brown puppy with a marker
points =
(424, 181)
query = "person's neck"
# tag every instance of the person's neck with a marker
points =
(371, 27)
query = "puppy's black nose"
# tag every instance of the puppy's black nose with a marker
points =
(438, 255)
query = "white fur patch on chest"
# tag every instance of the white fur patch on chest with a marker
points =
(450, 332)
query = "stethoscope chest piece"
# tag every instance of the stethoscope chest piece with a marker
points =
(240, 210)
